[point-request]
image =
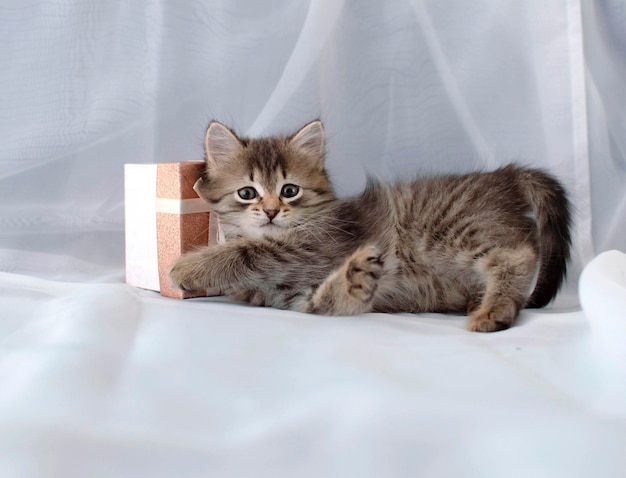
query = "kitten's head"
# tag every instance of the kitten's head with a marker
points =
(262, 187)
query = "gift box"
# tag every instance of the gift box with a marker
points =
(164, 218)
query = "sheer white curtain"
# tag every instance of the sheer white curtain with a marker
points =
(605, 53)
(403, 86)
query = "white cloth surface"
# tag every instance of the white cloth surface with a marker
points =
(106, 380)
(100, 379)
(603, 297)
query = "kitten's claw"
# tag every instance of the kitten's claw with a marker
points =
(363, 271)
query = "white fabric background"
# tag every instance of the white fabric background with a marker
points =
(95, 374)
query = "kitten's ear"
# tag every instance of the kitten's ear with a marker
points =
(201, 188)
(311, 140)
(220, 144)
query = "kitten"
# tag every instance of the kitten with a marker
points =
(485, 243)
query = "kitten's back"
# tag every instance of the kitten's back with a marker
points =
(441, 222)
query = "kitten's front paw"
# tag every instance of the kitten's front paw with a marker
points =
(187, 274)
(363, 271)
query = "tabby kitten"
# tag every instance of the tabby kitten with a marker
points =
(486, 243)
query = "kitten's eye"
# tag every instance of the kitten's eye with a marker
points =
(247, 193)
(290, 190)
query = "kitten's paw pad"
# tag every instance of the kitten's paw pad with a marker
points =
(498, 317)
(363, 271)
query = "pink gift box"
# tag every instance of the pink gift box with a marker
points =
(164, 219)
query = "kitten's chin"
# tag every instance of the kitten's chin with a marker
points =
(271, 230)
(253, 232)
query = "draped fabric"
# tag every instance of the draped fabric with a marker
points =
(404, 87)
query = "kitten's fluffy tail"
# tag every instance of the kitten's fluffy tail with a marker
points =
(552, 210)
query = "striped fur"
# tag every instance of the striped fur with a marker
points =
(486, 243)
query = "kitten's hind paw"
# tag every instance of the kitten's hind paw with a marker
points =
(363, 269)
(500, 316)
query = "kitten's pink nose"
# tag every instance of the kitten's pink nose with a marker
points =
(271, 213)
